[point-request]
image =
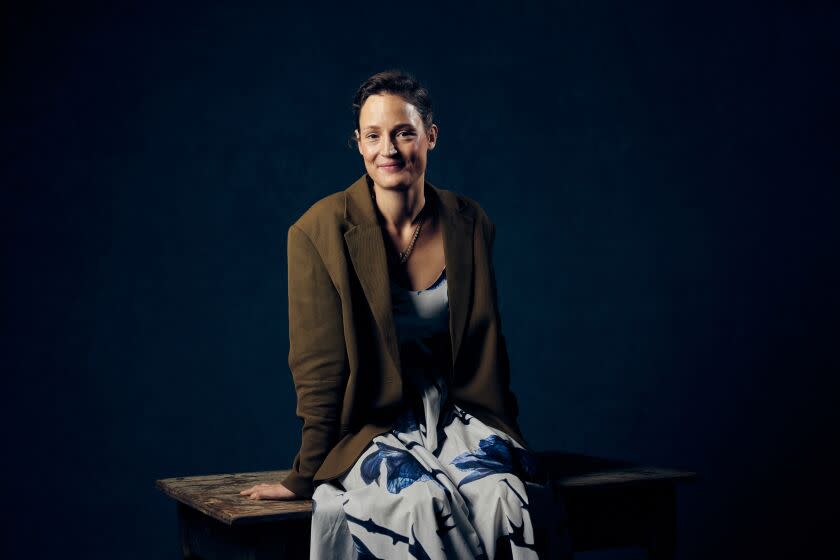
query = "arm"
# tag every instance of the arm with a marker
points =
(317, 358)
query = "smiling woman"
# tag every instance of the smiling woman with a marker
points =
(410, 444)
(395, 139)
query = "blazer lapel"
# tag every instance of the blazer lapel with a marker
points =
(366, 246)
(458, 251)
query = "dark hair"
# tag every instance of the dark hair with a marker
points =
(396, 82)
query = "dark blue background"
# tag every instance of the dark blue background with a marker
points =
(663, 177)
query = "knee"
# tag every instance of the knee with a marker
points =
(327, 503)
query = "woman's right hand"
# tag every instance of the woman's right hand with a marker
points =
(269, 492)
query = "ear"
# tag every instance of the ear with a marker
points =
(432, 135)
(358, 141)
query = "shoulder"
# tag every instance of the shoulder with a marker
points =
(322, 218)
(466, 204)
(471, 207)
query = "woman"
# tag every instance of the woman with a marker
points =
(410, 445)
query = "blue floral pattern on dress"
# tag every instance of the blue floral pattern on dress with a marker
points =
(403, 468)
(496, 455)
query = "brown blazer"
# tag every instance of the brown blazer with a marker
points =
(343, 346)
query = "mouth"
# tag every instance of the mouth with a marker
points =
(391, 167)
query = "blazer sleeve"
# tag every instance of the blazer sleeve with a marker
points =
(317, 358)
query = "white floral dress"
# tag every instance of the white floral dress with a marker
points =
(441, 484)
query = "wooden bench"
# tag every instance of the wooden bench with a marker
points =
(607, 504)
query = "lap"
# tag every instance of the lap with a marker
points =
(469, 457)
(456, 492)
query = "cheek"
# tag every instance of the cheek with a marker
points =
(414, 152)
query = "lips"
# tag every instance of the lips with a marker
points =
(391, 166)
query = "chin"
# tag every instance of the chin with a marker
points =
(390, 179)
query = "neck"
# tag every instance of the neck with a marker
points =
(400, 207)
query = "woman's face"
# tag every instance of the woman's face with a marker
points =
(393, 141)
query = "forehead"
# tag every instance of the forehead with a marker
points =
(387, 110)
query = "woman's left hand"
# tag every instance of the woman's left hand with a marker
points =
(269, 492)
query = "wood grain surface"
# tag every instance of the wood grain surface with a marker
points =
(217, 495)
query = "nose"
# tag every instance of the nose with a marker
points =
(388, 148)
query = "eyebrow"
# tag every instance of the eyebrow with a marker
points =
(374, 127)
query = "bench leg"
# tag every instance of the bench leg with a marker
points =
(662, 544)
(549, 517)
